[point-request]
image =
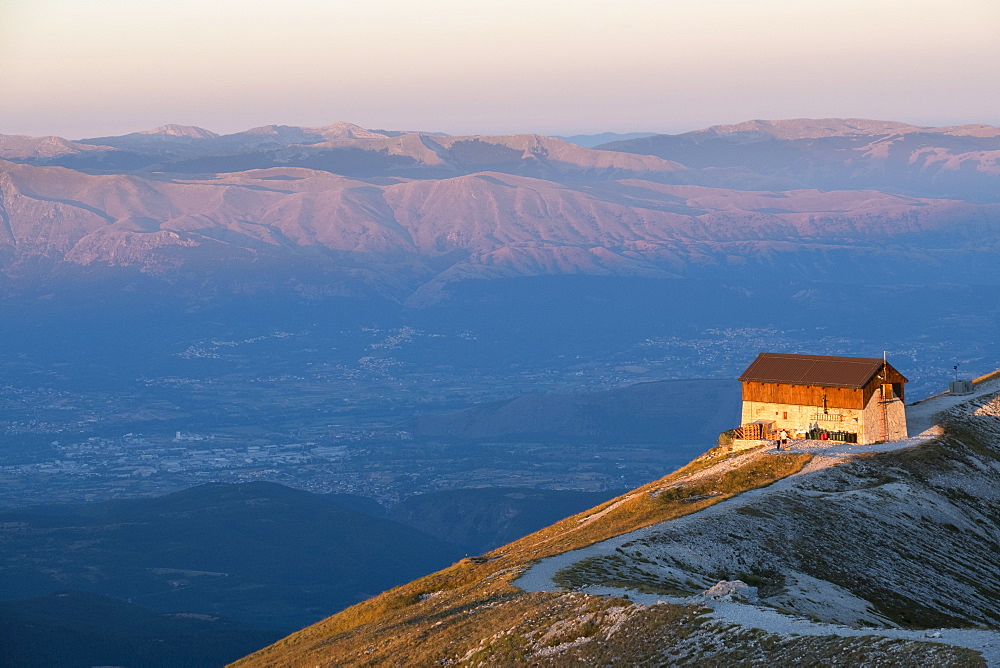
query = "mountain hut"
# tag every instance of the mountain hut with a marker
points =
(851, 399)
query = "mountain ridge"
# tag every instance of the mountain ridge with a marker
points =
(175, 130)
(487, 224)
(960, 162)
(412, 213)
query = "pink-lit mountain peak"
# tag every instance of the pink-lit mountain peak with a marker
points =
(813, 128)
(175, 130)
(14, 147)
(344, 130)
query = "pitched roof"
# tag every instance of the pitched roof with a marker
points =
(850, 372)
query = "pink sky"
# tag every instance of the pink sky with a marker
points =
(103, 67)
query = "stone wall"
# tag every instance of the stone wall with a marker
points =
(793, 418)
(895, 416)
(747, 444)
(867, 423)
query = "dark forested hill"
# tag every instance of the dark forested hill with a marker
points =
(257, 553)
(75, 629)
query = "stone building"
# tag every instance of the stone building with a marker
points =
(852, 399)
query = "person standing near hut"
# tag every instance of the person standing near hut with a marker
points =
(784, 440)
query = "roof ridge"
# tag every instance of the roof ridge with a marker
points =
(817, 370)
(822, 357)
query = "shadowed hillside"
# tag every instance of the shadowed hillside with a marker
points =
(80, 630)
(258, 553)
(481, 519)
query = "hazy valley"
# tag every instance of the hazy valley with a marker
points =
(448, 342)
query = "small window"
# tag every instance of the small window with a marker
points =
(784, 415)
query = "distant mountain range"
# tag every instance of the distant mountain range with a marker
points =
(958, 162)
(409, 213)
(590, 141)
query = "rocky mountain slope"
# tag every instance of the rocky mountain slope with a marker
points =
(420, 233)
(829, 556)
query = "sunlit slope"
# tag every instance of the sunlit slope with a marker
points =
(448, 614)
(901, 539)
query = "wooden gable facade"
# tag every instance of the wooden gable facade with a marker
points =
(849, 398)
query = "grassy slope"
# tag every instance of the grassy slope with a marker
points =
(472, 613)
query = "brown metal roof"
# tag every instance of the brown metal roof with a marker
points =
(850, 372)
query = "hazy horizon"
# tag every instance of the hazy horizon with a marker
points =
(111, 67)
(584, 133)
